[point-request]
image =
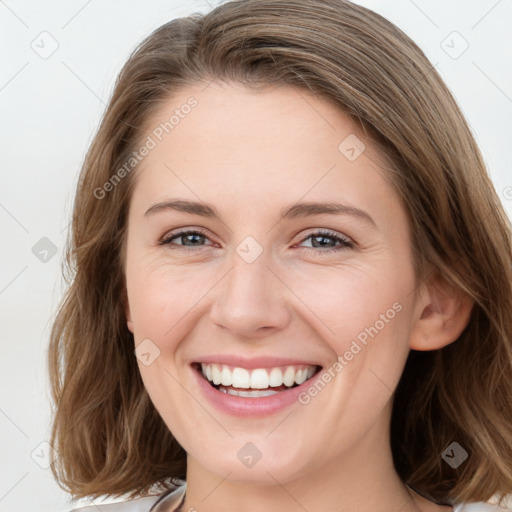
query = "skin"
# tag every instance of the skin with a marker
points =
(250, 154)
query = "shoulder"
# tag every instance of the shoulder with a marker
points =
(480, 507)
(145, 504)
(137, 505)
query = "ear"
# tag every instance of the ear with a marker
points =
(127, 312)
(443, 313)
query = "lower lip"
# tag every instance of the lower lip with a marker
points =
(244, 406)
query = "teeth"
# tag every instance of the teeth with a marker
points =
(259, 378)
(248, 394)
(216, 375)
(301, 376)
(289, 376)
(226, 376)
(240, 378)
(276, 378)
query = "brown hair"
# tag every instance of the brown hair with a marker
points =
(109, 437)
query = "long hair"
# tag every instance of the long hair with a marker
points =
(109, 437)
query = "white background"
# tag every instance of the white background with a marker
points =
(49, 111)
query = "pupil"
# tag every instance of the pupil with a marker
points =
(320, 238)
(193, 235)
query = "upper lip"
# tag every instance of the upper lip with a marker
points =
(254, 362)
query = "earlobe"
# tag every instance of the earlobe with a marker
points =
(444, 314)
(127, 313)
(129, 323)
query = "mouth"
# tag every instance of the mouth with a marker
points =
(256, 382)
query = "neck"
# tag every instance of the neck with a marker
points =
(362, 478)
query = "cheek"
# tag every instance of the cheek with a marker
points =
(365, 314)
(356, 303)
(161, 295)
(341, 304)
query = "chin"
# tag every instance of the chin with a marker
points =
(262, 469)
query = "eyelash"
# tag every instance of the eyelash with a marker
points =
(345, 242)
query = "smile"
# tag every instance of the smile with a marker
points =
(256, 382)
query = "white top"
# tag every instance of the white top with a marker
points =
(170, 501)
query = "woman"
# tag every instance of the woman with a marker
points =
(291, 279)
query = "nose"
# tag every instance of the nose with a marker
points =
(250, 300)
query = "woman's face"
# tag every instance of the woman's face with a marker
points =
(277, 278)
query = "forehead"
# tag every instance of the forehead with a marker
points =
(251, 147)
(242, 115)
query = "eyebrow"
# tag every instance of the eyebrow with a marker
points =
(298, 210)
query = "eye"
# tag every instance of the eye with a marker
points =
(320, 239)
(189, 239)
